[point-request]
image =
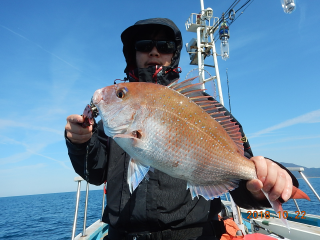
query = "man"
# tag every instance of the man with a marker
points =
(161, 207)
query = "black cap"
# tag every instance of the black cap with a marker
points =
(140, 28)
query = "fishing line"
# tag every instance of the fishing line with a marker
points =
(248, 3)
(232, 6)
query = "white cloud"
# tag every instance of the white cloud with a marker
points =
(25, 155)
(284, 140)
(4, 123)
(19, 35)
(30, 150)
(311, 117)
(63, 164)
(6, 140)
(15, 158)
(22, 168)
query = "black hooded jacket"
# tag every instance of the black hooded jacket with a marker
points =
(161, 202)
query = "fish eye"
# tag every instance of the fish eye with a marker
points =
(121, 93)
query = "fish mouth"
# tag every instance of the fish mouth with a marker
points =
(97, 97)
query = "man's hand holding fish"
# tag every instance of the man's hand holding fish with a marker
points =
(271, 178)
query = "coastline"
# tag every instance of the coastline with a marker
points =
(307, 177)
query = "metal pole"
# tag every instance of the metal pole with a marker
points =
(76, 179)
(201, 5)
(237, 215)
(103, 199)
(214, 53)
(85, 212)
(200, 62)
(314, 191)
(226, 195)
(295, 202)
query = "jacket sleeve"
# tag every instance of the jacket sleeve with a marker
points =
(90, 159)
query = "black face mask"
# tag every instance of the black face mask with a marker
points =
(156, 74)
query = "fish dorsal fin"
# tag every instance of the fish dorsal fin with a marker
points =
(174, 85)
(194, 92)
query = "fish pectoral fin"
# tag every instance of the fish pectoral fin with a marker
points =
(212, 191)
(123, 136)
(138, 139)
(137, 134)
(136, 173)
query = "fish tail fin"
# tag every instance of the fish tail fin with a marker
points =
(277, 207)
(299, 194)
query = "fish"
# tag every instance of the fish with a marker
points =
(180, 131)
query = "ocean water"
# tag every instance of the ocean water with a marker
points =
(50, 216)
(312, 207)
(46, 216)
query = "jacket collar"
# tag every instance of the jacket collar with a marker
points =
(156, 74)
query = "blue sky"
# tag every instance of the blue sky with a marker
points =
(55, 54)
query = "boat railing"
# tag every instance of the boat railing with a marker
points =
(79, 179)
(194, 21)
(300, 170)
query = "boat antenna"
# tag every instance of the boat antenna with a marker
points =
(228, 90)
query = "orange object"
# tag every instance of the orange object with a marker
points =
(104, 188)
(231, 230)
(298, 194)
(258, 236)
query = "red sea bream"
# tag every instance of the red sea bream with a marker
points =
(177, 130)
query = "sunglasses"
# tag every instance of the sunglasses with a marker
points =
(162, 46)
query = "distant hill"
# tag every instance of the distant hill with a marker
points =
(308, 172)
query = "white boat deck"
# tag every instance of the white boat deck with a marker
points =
(298, 231)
